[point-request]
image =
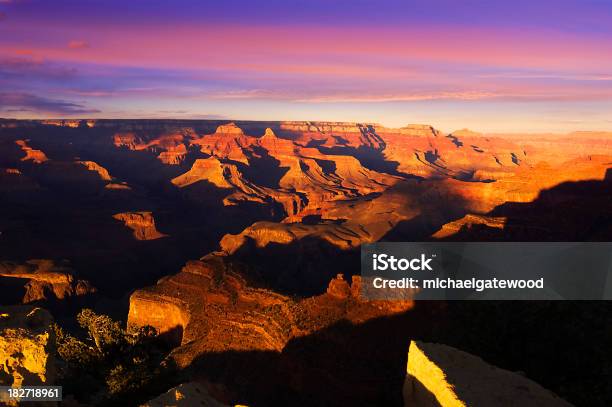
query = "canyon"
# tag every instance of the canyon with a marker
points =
(239, 241)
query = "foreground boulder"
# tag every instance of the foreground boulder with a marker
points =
(25, 342)
(439, 375)
(185, 395)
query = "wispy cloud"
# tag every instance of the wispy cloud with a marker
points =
(25, 102)
(550, 75)
(367, 96)
(404, 97)
(78, 44)
(34, 68)
(354, 96)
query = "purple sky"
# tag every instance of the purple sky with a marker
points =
(486, 65)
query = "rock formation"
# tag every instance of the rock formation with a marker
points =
(142, 223)
(439, 375)
(468, 221)
(209, 307)
(185, 395)
(170, 147)
(209, 169)
(25, 348)
(45, 280)
(36, 156)
(95, 167)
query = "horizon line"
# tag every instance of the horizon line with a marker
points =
(371, 123)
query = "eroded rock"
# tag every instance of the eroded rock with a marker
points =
(142, 223)
(439, 375)
(25, 348)
(210, 307)
(46, 280)
(190, 394)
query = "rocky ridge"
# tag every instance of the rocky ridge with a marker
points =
(209, 307)
(46, 280)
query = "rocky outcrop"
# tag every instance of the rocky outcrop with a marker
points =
(185, 395)
(25, 348)
(174, 155)
(142, 223)
(97, 168)
(439, 375)
(343, 224)
(128, 140)
(210, 307)
(265, 233)
(226, 142)
(170, 147)
(468, 221)
(208, 169)
(122, 186)
(339, 287)
(36, 156)
(46, 280)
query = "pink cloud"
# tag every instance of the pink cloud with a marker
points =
(78, 44)
(407, 93)
(212, 46)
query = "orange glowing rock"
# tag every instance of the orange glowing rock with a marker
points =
(36, 156)
(142, 223)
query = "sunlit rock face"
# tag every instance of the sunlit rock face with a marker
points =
(439, 375)
(36, 156)
(25, 348)
(98, 169)
(185, 395)
(170, 148)
(210, 307)
(468, 221)
(315, 169)
(209, 169)
(141, 223)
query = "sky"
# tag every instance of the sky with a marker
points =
(491, 66)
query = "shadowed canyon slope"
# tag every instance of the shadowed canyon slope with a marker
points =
(239, 241)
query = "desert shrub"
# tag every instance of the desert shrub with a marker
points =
(109, 365)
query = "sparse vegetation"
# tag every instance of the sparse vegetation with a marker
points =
(110, 365)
